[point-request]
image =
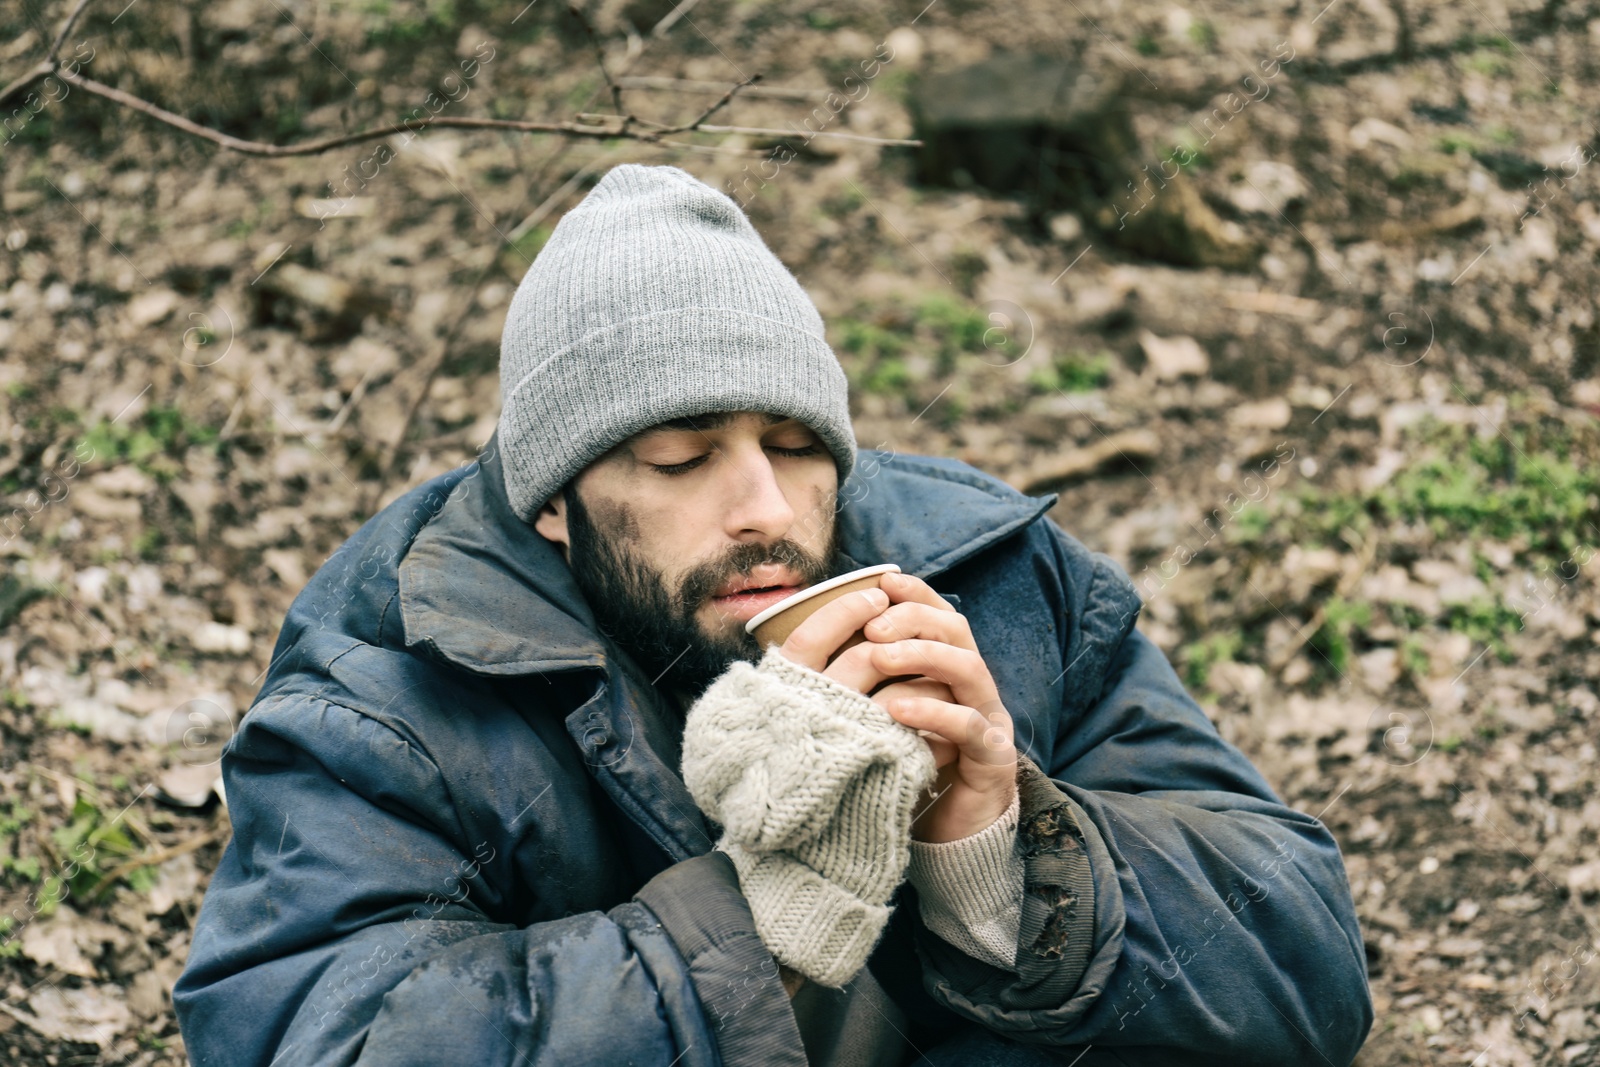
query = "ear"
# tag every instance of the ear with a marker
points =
(551, 521)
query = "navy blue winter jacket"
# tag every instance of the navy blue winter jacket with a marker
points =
(460, 834)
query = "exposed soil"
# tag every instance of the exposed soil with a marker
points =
(1364, 305)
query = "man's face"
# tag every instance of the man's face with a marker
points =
(663, 530)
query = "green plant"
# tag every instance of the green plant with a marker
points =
(1249, 526)
(1488, 621)
(156, 432)
(1199, 657)
(96, 843)
(1146, 45)
(147, 543)
(1414, 657)
(1453, 143)
(1489, 63)
(1204, 34)
(1073, 372)
(956, 329)
(889, 376)
(1334, 638)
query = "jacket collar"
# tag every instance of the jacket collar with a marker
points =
(485, 591)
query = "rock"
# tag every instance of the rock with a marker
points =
(286, 564)
(92, 1015)
(1370, 131)
(1126, 446)
(151, 307)
(1173, 357)
(1066, 227)
(177, 881)
(1229, 676)
(1584, 879)
(100, 717)
(71, 943)
(321, 306)
(1031, 124)
(91, 584)
(906, 46)
(363, 358)
(1267, 187)
(126, 480)
(97, 505)
(1270, 414)
(1519, 904)
(1380, 669)
(216, 637)
(1539, 240)
(186, 786)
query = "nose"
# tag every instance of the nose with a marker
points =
(758, 510)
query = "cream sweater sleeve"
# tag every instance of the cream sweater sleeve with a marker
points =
(971, 889)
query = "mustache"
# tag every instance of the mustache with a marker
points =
(704, 580)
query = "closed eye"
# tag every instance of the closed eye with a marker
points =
(673, 469)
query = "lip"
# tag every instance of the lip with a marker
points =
(767, 574)
(746, 606)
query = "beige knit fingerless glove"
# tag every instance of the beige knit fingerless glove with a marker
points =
(814, 785)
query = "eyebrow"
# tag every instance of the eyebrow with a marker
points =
(711, 420)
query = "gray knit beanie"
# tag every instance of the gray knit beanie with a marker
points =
(655, 299)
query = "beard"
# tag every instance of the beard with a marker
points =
(652, 619)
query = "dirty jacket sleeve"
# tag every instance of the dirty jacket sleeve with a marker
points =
(344, 926)
(1175, 910)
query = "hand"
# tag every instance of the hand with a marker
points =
(912, 630)
(971, 738)
(815, 643)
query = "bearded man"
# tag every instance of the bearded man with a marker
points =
(520, 788)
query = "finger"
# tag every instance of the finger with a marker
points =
(855, 668)
(980, 740)
(908, 587)
(943, 750)
(914, 687)
(819, 637)
(944, 753)
(963, 670)
(910, 619)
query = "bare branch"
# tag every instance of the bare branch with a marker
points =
(599, 57)
(608, 126)
(43, 69)
(660, 29)
(686, 85)
(718, 106)
(759, 131)
(66, 28)
(537, 215)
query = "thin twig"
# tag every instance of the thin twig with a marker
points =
(151, 859)
(1313, 626)
(43, 69)
(258, 148)
(572, 129)
(429, 373)
(723, 100)
(670, 19)
(66, 28)
(600, 60)
(537, 215)
(757, 131)
(686, 85)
